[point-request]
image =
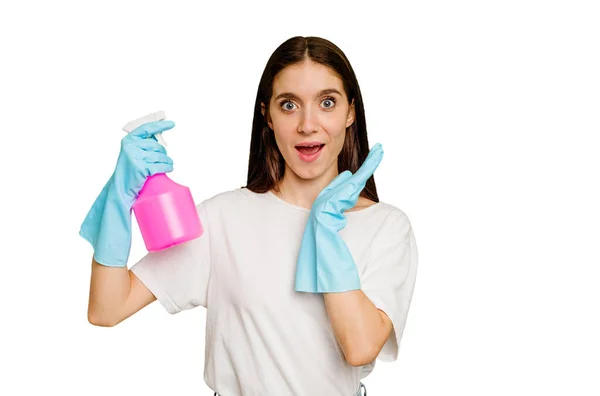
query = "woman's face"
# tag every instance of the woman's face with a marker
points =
(309, 107)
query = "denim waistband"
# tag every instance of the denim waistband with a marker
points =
(358, 393)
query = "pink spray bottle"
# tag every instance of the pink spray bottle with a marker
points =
(165, 211)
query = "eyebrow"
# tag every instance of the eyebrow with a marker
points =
(289, 95)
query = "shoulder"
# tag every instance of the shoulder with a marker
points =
(392, 222)
(381, 210)
(394, 214)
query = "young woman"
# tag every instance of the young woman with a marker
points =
(306, 276)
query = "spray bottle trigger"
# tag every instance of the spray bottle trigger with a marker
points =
(156, 116)
(160, 139)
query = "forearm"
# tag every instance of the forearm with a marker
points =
(358, 325)
(109, 289)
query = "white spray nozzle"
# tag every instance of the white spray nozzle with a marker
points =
(156, 116)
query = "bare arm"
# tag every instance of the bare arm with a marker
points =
(115, 295)
(359, 326)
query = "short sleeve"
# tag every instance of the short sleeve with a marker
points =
(389, 276)
(179, 276)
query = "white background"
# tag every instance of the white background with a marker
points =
(488, 113)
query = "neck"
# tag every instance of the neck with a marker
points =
(304, 192)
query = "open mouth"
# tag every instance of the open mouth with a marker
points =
(309, 150)
(309, 153)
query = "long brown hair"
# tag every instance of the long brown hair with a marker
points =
(266, 164)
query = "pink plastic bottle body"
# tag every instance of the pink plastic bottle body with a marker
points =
(166, 213)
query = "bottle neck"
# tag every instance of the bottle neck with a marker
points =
(157, 184)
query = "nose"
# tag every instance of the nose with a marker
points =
(309, 121)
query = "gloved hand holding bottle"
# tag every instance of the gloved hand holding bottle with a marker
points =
(325, 263)
(107, 225)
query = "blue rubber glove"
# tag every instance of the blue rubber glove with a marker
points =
(325, 264)
(107, 225)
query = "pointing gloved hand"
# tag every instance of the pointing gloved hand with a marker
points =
(107, 225)
(324, 262)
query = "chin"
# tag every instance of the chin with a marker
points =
(309, 171)
(307, 174)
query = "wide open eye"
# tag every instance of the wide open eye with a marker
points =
(331, 100)
(285, 102)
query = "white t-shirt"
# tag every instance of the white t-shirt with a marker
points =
(263, 337)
